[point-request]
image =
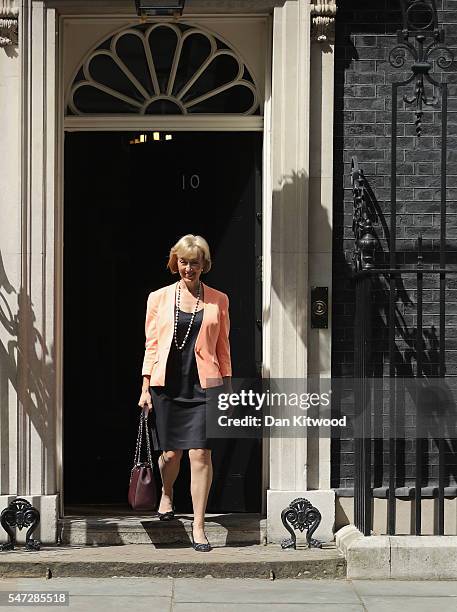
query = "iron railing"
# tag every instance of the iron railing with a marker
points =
(424, 44)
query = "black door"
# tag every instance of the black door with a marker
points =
(125, 206)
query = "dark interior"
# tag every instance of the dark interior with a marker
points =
(125, 206)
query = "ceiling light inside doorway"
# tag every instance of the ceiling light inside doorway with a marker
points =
(139, 140)
(159, 8)
(156, 137)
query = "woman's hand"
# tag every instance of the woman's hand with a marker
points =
(145, 399)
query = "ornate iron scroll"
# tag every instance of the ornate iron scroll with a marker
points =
(20, 513)
(301, 514)
(420, 23)
(362, 222)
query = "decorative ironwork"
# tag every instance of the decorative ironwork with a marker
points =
(420, 22)
(323, 21)
(301, 514)
(362, 221)
(20, 513)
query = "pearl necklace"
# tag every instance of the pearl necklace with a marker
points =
(175, 335)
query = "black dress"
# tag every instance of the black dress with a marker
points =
(178, 415)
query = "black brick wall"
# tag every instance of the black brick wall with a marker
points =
(365, 33)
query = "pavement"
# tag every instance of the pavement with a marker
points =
(239, 595)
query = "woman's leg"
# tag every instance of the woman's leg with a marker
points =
(169, 463)
(201, 472)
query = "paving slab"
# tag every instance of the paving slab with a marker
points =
(406, 588)
(127, 586)
(103, 604)
(409, 604)
(267, 592)
(254, 561)
(284, 607)
(212, 594)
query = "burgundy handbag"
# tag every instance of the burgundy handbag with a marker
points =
(142, 486)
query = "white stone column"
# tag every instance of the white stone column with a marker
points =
(292, 352)
(321, 213)
(10, 245)
(31, 400)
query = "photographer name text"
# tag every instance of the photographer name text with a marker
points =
(267, 420)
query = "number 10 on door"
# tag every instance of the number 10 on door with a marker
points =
(190, 182)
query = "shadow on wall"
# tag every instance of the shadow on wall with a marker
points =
(406, 356)
(290, 243)
(27, 366)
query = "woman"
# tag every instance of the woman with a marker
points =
(187, 351)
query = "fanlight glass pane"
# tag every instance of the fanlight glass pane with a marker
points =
(247, 76)
(195, 50)
(88, 99)
(162, 42)
(141, 67)
(163, 107)
(237, 99)
(105, 71)
(222, 70)
(130, 50)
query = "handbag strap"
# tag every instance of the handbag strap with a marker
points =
(143, 426)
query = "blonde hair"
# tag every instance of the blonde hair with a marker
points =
(189, 246)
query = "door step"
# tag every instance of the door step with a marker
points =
(249, 561)
(221, 529)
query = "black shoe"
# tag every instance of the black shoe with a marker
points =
(199, 547)
(166, 516)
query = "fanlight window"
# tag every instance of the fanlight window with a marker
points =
(163, 69)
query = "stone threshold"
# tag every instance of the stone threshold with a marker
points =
(222, 529)
(251, 561)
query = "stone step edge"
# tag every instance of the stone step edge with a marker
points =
(151, 538)
(127, 522)
(169, 525)
(102, 540)
(158, 532)
(306, 568)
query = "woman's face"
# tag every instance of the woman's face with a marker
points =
(190, 268)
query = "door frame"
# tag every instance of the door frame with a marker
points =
(171, 123)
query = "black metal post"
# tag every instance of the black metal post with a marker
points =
(442, 367)
(419, 440)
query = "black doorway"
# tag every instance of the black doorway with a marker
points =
(125, 205)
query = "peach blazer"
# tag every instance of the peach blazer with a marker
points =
(212, 348)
